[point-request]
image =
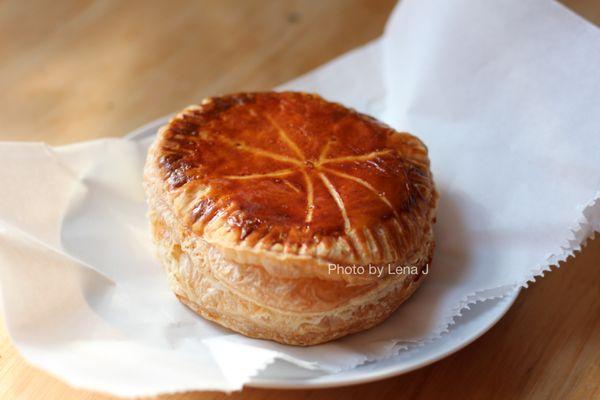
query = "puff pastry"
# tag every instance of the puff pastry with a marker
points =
(283, 216)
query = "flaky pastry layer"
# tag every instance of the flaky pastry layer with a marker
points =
(246, 299)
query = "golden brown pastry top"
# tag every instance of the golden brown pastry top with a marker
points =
(292, 177)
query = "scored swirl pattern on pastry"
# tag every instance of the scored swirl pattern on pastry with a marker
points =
(309, 167)
(289, 162)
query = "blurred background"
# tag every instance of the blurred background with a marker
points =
(72, 70)
(80, 69)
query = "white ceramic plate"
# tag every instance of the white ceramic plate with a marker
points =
(470, 326)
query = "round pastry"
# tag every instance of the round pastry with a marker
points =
(283, 216)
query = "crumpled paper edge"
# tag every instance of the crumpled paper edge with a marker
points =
(582, 230)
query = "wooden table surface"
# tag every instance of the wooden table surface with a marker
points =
(76, 70)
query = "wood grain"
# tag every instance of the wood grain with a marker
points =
(77, 70)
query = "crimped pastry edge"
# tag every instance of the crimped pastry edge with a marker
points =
(196, 286)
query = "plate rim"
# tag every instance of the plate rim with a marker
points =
(391, 371)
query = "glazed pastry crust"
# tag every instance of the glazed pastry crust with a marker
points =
(253, 196)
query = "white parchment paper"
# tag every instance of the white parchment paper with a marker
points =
(505, 93)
